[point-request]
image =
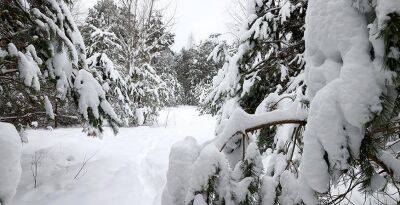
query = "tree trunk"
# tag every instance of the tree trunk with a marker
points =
(56, 116)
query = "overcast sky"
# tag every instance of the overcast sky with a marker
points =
(200, 17)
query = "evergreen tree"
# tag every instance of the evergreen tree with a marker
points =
(133, 40)
(98, 30)
(146, 86)
(103, 44)
(195, 71)
(43, 57)
(114, 85)
(330, 126)
(164, 64)
(184, 63)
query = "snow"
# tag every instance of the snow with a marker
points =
(385, 7)
(228, 77)
(284, 72)
(241, 189)
(62, 68)
(24, 4)
(344, 88)
(391, 162)
(3, 53)
(129, 168)
(12, 50)
(211, 162)
(29, 70)
(241, 184)
(48, 107)
(285, 11)
(32, 51)
(35, 124)
(199, 200)
(59, 31)
(10, 166)
(240, 121)
(140, 114)
(268, 190)
(218, 52)
(102, 60)
(92, 96)
(290, 188)
(182, 156)
(378, 182)
(28, 65)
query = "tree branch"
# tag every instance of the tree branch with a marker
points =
(281, 122)
(266, 125)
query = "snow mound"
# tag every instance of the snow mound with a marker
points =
(10, 164)
(183, 155)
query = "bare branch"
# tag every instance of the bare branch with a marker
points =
(83, 165)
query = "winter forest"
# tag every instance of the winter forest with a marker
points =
(156, 102)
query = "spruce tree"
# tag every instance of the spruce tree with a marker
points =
(103, 47)
(133, 40)
(195, 71)
(164, 64)
(43, 51)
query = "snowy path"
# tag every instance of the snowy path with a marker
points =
(127, 169)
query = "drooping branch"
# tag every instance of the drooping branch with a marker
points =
(281, 122)
(266, 125)
(242, 122)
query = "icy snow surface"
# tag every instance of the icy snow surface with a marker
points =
(129, 168)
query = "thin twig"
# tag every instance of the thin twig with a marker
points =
(84, 162)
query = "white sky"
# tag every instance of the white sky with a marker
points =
(200, 17)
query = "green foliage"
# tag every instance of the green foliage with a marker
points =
(265, 139)
(263, 85)
(47, 29)
(210, 190)
(368, 148)
(391, 38)
(250, 170)
(391, 59)
(382, 129)
(135, 45)
(195, 71)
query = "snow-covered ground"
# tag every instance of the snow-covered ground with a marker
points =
(129, 168)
